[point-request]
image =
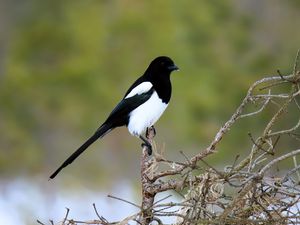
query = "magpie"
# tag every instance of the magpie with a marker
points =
(140, 108)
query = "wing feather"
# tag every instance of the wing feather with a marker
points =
(120, 114)
(140, 89)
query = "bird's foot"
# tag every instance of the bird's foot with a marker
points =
(149, 148)
(149, 130)
(146, 144)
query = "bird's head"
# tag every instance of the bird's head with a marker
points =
(162, 64)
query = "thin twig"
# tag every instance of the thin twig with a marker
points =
(296, 165)
(289, 173)
(160, 200)
(123, 200)
(277, 160)
(296, 62)
(96, 211)
(260, 110)
(40, 222)
(66, 216)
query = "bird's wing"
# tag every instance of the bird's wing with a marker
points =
(139, 81)
(120, 114)
(139, 89)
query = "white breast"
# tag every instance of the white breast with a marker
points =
(146, 115)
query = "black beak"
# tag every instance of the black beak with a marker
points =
(173, 67)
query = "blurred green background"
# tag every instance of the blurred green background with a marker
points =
(65, 64)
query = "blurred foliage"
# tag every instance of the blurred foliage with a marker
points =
(65, 64)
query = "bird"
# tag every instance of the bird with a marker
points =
(142, 105)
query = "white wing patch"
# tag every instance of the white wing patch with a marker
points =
(140, 89)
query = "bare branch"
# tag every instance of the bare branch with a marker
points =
(66, 216)
(277, 160)
(39, 222)
(295, 69)
(123, 200)
(288, 131)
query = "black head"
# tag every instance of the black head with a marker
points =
(158, 73)
(162, 65)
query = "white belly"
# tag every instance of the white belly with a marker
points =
(146, 115)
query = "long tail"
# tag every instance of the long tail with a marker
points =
(104, 129)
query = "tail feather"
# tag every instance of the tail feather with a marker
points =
(104, 129)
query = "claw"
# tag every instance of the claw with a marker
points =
(148, 130)
(149, 148)
(154, 131)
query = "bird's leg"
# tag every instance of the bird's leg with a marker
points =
(148, 130)
(147, 144)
